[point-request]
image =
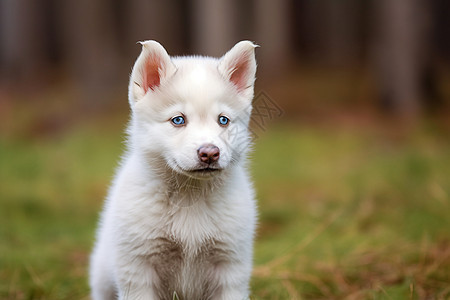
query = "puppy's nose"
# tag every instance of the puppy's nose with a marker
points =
(208, 153)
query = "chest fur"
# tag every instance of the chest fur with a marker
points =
(191, 273)
(185, 249)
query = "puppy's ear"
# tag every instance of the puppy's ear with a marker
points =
(239, 65)
(152, 68)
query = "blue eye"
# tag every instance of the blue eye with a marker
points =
(178, 120)
(223, 120)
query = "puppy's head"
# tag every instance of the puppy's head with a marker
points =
(191, 114)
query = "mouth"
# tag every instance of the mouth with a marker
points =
(207, 170)
(203, 173)
(199, 171)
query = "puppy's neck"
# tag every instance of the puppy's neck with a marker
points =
(184, 191)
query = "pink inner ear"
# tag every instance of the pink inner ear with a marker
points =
(151, 74)
(238, 77)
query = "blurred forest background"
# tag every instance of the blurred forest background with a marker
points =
(389, 55)
(361, 209)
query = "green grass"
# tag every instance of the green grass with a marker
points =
(352, 214)
(343, 213)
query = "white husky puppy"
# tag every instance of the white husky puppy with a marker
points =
(180, 215)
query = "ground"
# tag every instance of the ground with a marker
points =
(346, 212)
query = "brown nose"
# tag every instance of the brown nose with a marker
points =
(208, 153)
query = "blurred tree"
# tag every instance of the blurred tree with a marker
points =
(90, 46)
(399, 51)
(22, 42)
(330, 30)
(272, 33)
(213, 26)
(164, 21)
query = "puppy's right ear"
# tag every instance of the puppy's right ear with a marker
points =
(152, 68)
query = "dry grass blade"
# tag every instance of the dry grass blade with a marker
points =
(266, 269)
(293, 294)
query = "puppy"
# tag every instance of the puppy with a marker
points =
(180, 215)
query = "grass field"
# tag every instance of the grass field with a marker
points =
(344, 213)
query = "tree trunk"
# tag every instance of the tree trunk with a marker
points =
(22, 51)
(398, 54)
(213, 26)
(90, 47)
(154, 20)
(272, 34)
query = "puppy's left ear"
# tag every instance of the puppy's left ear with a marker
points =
(239, 66)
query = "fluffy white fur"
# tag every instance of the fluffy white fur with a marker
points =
(167, 226)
